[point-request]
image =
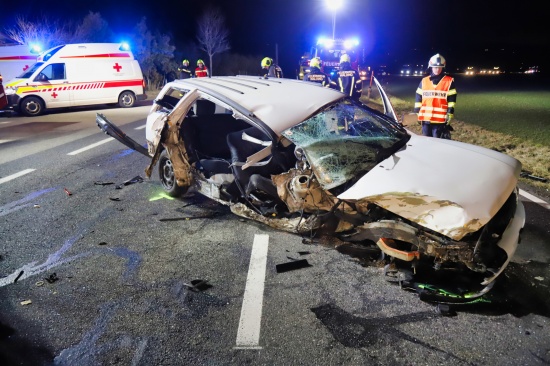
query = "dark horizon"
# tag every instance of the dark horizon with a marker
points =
(391, 32)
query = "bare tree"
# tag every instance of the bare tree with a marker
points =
(45, 32)
(213, 34)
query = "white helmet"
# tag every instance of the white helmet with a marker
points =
(437, 61)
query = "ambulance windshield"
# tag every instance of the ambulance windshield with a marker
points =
(28, 73)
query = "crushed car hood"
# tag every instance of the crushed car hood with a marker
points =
(447, 186)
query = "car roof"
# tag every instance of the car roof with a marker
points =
(279, 103)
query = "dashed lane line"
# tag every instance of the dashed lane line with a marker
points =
(4, 141)
(248, 334)
(16, 175)
(90, 146)
(140, 127)
(535, 199)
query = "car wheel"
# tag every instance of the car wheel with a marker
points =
(126, 99)
(32, 106)
(168, 178)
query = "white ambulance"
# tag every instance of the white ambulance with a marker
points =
(15, 60)
(77, 75)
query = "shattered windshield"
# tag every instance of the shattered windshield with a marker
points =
(346, 140)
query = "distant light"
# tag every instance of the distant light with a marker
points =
(329, 43)
(124, 46)
(35, 48)
(334, 4)
(348, 43)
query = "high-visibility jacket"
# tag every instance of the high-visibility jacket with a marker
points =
(317, 76)
(349, 81)
(437, 99)
(201, 72)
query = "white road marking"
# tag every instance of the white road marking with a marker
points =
(2, 141)
(530, 197)
(16, 175)
(248, 334)
(90, 146)
(140, 127)
(3, 123)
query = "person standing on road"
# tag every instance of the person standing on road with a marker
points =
(270, 69)
(185, 70)
(315, 74)
(435, 100)
(349, 81)
(201, 71)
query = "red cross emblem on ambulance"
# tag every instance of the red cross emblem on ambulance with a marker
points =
(117, 67)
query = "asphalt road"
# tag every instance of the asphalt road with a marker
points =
(109, 272)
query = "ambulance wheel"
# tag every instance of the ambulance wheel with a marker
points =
(168, 178)
(32, 106)
(127, 99)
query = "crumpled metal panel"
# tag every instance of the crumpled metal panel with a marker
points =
(445, 217)
(296, 225)
(301, 191)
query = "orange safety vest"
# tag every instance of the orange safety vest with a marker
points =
(434, 100)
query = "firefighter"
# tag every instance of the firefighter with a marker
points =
(185, 70)
(201, 71)
(315, 74)
(435, 100)
(348, 79)
(270, 69)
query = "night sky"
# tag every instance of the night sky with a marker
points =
(392, 32)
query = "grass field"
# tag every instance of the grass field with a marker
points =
(507, 113)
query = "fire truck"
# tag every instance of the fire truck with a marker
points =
(330, 51)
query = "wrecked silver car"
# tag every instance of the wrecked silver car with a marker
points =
(302, 158)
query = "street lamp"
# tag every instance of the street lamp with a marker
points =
(334, 5)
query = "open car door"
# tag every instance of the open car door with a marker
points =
(388, 108)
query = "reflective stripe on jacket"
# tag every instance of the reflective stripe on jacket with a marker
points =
(434, 100)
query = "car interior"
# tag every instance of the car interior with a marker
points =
(221, 144)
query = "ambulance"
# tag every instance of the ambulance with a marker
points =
(16, 59)
(78, 75)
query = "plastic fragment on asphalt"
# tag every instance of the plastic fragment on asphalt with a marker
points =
(187, 218)
(52, 278)
(291, 266)
(26, 302)
(136, 179)
(36, 205)
(18, 276)
(103, 243)
(103, 183)
(114, 198)
(67, 192)
(304, 253)
(39, 283)
(198, 285)
(538, 278)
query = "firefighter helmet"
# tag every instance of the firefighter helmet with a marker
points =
(266, 62)
(315, 62)
(199, 61)
(437, 61)
(345, 58)
(186, 61)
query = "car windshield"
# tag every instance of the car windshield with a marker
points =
(29, 72)
(345, 140)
